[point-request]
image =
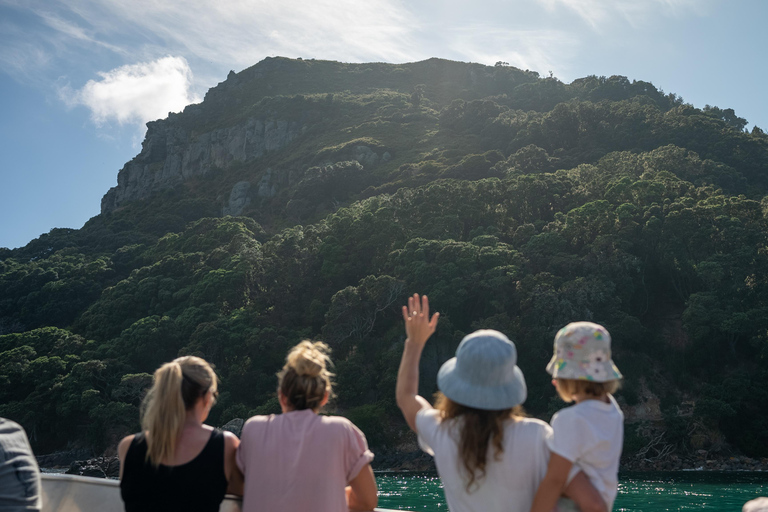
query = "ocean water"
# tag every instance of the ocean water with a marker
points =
(638, 492)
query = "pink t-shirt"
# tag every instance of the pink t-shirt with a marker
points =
(300, 460)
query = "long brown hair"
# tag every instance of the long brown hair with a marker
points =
(478, 429)
(305, 378)
(177, 386)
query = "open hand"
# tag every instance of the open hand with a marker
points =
(418, 326)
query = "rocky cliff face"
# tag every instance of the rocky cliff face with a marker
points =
(260, 109)
(171, 154)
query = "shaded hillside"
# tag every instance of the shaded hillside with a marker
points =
(309, 198)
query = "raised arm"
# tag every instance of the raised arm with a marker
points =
(418, 328)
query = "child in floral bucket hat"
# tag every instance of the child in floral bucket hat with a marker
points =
(587, 436)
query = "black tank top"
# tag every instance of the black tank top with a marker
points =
(197, 486)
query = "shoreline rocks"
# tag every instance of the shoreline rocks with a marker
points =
(699, 462)
(98, 467)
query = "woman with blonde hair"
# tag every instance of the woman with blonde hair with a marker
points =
(299, 460)
(177, 462)
(489, 456)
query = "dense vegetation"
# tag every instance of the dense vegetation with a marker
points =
(515, 202)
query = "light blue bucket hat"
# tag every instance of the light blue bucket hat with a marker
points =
(484, 374)
(583, 352)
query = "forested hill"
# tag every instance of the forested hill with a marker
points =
(307, 199)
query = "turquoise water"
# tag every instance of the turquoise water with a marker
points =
(638, 492)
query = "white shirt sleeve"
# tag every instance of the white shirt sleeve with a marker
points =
(571, 435)
(427, 422)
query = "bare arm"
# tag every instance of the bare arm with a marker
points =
(122, 450)
(553, 485)
(232, 472)
(584, 494)
(362, 493)
(418, 328)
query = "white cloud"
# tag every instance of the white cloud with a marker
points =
(136, 93)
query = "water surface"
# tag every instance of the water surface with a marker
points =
(638, 492)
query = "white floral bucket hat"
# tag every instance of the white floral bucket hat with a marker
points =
(583, 352)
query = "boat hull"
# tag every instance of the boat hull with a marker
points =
(71, 493)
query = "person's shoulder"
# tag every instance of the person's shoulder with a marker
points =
(532, 423)
(329, 419)
(615, 408)
(9, 426)
(123, 445)
(428, 415)
(338, 424)
(428, 420)
(258, 420)
(567, 414)
(531, 426)
(256, 424)
(569, 410)
(127, 439)
(230, 439)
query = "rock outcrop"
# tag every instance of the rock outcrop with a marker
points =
(235, 426)
(171, 154)
(238, 199)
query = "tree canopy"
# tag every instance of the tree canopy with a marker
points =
(515, 202)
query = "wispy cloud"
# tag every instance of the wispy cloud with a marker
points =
(136, 93)
(19, 55)
(212, 37)
(539, 50)
(83, 37)
(599, 13)
(74, 31)
(242, 32)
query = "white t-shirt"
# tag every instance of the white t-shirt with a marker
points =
(591, 434)
(509, 484)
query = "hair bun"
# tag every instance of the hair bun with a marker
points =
(308, 359)
(305, 380)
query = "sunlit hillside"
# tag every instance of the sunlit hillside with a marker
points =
(307, 199)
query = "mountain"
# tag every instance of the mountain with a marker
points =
(307, 199)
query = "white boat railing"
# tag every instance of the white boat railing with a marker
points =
(72, 493)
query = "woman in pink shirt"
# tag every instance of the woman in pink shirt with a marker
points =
(299, 460)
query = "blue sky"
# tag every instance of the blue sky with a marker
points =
(80, 78)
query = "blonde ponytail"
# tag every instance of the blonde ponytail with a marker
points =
(305, 378)
(177, 386)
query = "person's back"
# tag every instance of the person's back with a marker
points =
(199, 484)
(509, 482)
(177, 462)
(19, 474)
(590, 434)
(300, 460)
